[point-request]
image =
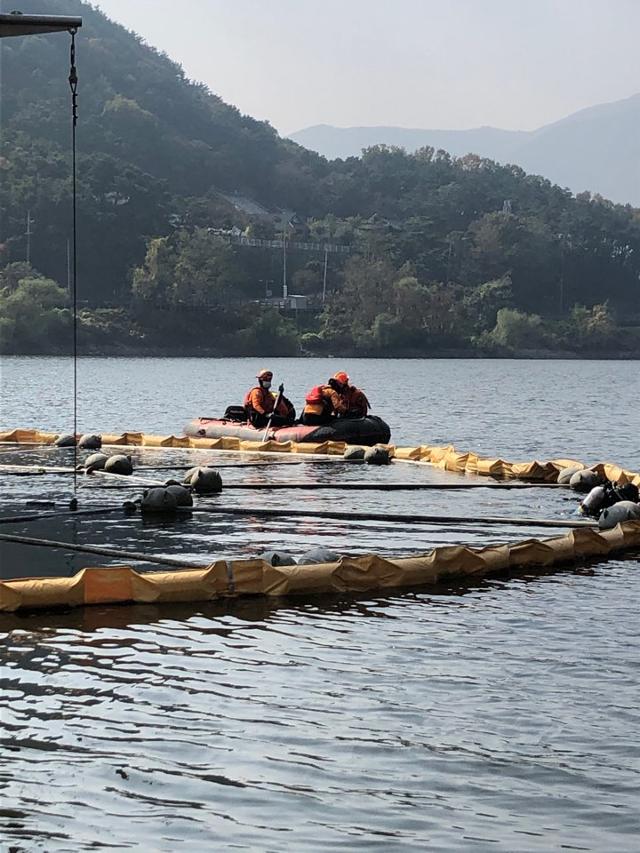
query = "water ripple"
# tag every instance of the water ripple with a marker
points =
(499, 715)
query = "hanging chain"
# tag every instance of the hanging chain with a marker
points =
(73, 78)
(73, 83)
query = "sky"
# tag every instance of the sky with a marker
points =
(449, 64)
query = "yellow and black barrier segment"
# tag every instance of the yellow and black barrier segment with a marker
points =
(440, 456)
(230, 579)
(141, 439)
(450, 459)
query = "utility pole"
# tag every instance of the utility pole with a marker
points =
(565, 241)
(28, 233)
(68, 268)
(324, 275)
(284, 264)
(562, 277)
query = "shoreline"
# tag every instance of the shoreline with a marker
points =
(167, 352)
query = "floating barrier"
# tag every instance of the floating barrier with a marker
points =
(222, 579)
(384, 486)
(229, 579)
(441, 456)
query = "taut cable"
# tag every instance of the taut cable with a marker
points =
(73, 83)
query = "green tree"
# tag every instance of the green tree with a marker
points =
(593, 328)
(483, 303)
(34, 317)
(15, 272)
(194, 269)
(517, 330)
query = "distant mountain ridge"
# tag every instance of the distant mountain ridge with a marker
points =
(595, 149)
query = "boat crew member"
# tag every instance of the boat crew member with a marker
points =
(353, 401)
(319, 406)
(260, 402)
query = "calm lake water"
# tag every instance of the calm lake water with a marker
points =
(498, 716)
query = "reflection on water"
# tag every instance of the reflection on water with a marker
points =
(501, 715)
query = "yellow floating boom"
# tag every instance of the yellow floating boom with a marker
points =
(442, 456)
(224, 579)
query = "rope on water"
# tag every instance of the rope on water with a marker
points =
(259, 512)
(386, 487)
(380, 486)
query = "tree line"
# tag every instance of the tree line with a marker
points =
(445, 253)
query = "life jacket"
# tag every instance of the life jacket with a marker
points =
(356, 401)
(263, 397)
(315, 395)
(317, 401)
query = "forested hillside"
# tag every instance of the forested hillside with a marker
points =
(439, 253)
(149, 142)
(595, 149)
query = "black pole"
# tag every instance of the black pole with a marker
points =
(73, 83)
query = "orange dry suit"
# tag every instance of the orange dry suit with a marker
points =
(321, 405)
(259, 403)
(355, 401)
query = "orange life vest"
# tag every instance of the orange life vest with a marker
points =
(323, 400)
(260, 400)
(315, 395)
(356, 401)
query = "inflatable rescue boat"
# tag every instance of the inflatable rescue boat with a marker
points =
(368, 431)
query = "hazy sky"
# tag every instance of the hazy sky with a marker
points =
(415, 63)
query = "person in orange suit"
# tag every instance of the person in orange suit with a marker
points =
(260, 402)
(336, 399)
(319, 406)
(353, 402)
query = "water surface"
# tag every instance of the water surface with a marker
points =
(497, 716)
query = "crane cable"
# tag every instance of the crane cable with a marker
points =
(73, 83)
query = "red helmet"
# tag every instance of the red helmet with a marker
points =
(264, 374)
(341, 377)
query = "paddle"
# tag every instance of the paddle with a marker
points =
(273, 411)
